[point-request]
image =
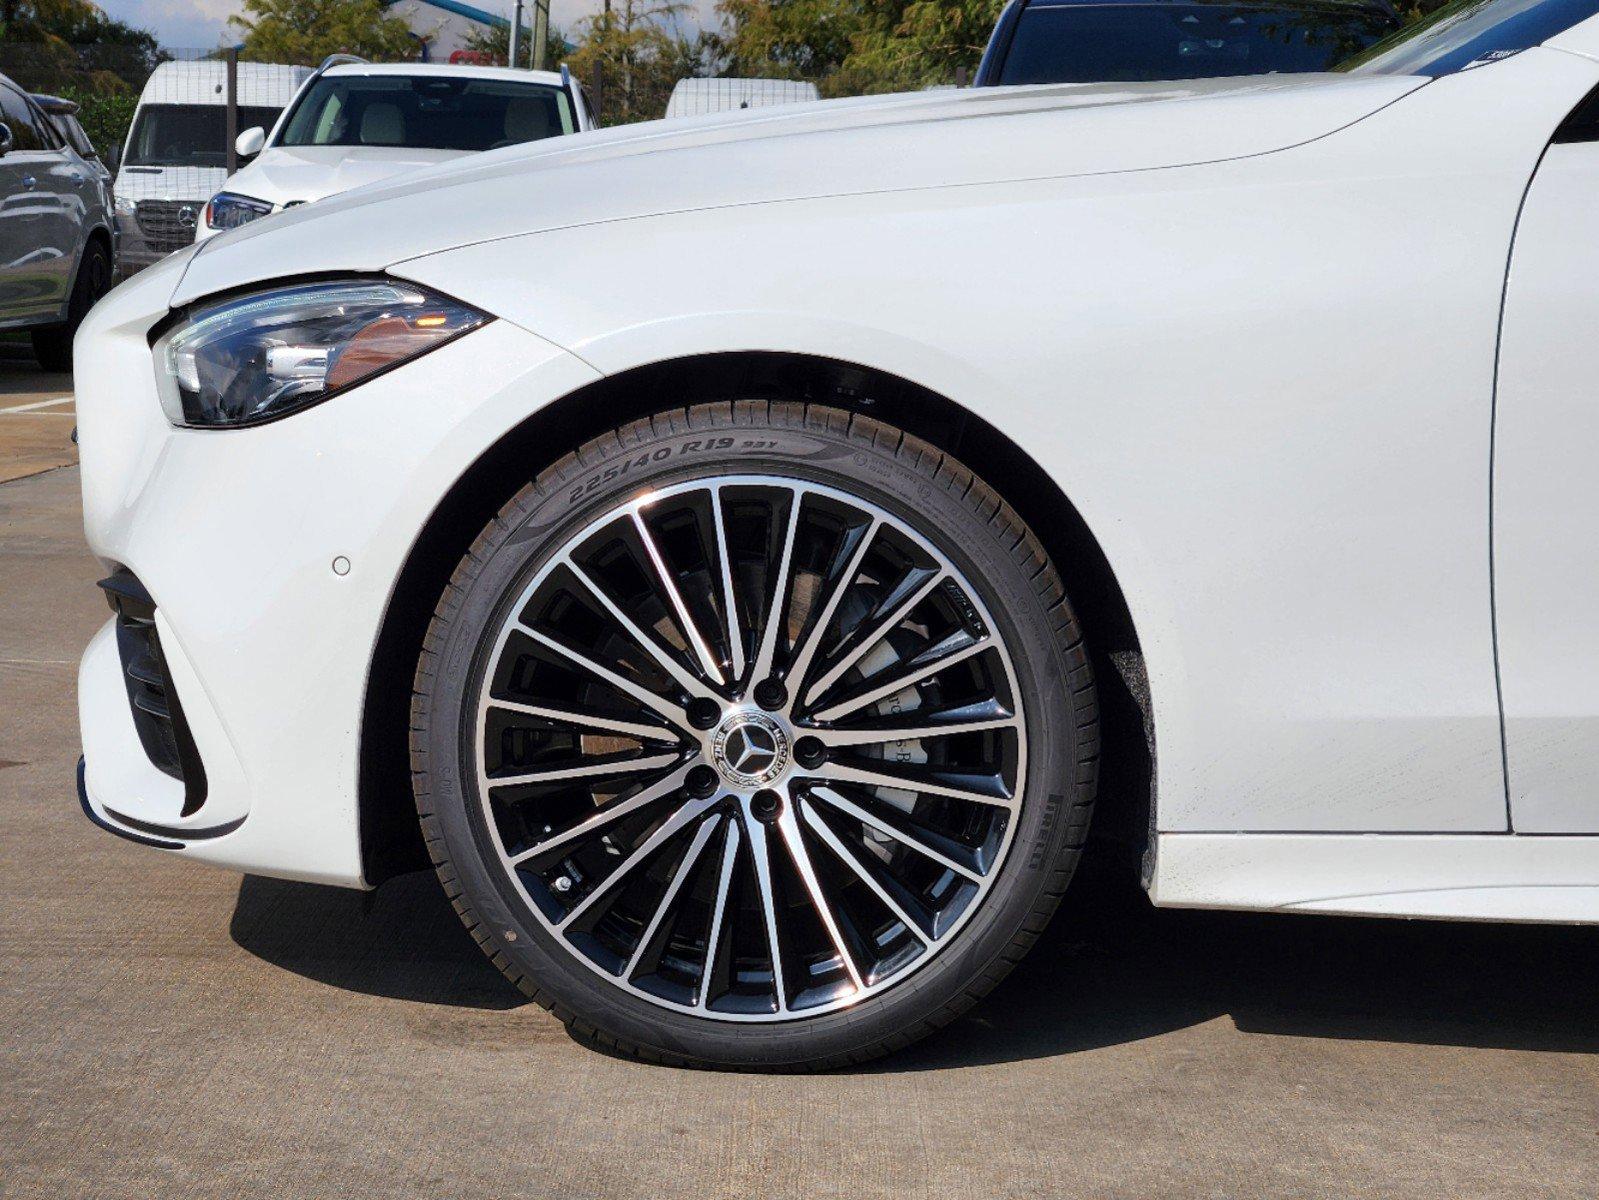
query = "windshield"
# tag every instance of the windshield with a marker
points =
(1101, 43)
(188, 135)
(426, 112)
(1470, 33)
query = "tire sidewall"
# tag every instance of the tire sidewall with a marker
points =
(747, 442)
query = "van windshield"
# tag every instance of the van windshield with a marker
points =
(1470, 33)
(188, 135)
(426, 112)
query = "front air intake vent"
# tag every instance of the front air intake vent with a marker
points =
(157, 715)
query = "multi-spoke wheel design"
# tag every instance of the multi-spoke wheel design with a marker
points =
(749, 747)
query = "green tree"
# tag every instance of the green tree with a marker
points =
(905, 46)
(75, 22)
(494, 43)
(304, 32)
(105, 117)
(47, 45)
(786, 39)
(848, 47)
(640, 52)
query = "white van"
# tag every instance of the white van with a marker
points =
(176, 156)
(695, 97)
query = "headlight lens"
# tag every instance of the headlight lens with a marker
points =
(256, 357)
(226, 210)
(126, 207)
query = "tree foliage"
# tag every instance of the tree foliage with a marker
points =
(304, 32)
(641, 53)
(73, 22)
(849, 47)
(105, 117)
(493, 42)
(47, 44)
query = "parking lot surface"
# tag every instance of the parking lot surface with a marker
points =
(167, 1030)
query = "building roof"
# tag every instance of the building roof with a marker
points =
(468, 11)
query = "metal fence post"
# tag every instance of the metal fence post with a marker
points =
(541, 31)
(233, 109)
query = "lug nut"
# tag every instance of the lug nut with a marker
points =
(703, 713)
(766, 805)
(770, 694)
(809, 752)
(700, 781)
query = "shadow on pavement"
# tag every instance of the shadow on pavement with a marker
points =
(403, 941)
(1110, 969)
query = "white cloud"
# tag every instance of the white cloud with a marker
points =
(177, 23)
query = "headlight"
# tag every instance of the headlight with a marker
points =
(126, 207)
(256, 357)
(228, 211)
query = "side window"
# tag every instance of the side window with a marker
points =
(47, 128)
(18, 114)
(49, 135)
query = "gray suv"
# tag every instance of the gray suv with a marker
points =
(56, 230)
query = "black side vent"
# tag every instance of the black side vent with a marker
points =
(157, 715)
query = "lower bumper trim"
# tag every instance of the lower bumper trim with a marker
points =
(96, 818)
(188, 835)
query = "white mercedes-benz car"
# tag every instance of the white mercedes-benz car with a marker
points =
(355, 123)
(740, 571)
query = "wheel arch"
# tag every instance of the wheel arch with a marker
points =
(389, 829)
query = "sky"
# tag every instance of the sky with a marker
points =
(203, 23)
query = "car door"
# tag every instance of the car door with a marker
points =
(1546, 492)
(44, 209)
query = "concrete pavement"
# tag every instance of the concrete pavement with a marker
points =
(171, 1031)
(36, 416)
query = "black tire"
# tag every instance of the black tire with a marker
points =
(52, 346)
(970, 524)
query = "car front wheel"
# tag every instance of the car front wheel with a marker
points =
(755, 735)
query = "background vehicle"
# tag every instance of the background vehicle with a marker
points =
(357, 123)
(63, 115)
(695, 97)
(55, 230)
(754, 604)
(176, 154)
(1101, 41)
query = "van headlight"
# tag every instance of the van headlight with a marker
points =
(261, 356)
(226, 210)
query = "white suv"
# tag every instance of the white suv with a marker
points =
(357, 123)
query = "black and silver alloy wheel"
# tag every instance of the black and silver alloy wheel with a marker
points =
(750, 747)
(741, 745)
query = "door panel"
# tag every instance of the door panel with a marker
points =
(1546, 500)
(39, 227)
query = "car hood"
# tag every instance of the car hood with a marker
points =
(296, 174)
(791, 152)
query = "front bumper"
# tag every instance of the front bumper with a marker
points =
(233, 535)
(136, 250)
